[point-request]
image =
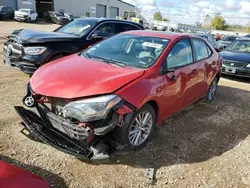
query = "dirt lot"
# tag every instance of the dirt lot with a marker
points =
(202, 146)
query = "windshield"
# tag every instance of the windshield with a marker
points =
(240, 46)
(58, 14)
(1, 8)
(77, 27)
(128, 50)
(231, 39)
(24, 11)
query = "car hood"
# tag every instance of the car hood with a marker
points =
(31, 36)
(236, 56)
(75, 76)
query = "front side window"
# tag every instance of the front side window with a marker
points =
(239, 46)
(128, 50)
(105, 30)
(180, 55)
(200, 49)
(77, 27)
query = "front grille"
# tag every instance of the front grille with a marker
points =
(51, 136)
(234, 64)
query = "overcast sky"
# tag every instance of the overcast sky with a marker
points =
(191, 11)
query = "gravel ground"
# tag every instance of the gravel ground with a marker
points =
(202, 146)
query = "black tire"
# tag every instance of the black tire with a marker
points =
(127, 128)
(1, 17)
(210, 96)
(29, 20)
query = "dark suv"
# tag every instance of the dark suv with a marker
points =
(27, 49)
(6, 13)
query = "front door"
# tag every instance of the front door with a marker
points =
(176, 81)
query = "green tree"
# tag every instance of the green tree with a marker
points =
(158, 16)
(219, 23)
(248, 27)
(165, 19)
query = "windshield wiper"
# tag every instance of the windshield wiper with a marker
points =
(109, 61)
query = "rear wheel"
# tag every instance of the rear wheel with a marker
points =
(141, 127)
(211, 91)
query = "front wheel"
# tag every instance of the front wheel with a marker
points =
(141, 127)
(211, 91)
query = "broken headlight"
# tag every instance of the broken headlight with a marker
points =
(90, 109)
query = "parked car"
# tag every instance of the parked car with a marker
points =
(58, 18)
(226, 41)
(247, 36)
(118, 90)
(27, 49)
(6, 13)
(70, 16)
(26, 15)
(236, 58)
(211, 40)
(14, 177)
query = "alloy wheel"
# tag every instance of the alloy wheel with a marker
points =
(212, 90)
(141, 128)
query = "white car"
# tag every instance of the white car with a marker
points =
(27, 15)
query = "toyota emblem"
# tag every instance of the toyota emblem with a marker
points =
(9, 50)
(29, 101)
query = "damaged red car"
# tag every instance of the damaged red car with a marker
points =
(116, 92)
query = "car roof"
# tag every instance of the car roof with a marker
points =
(106, 19)
(159, 34)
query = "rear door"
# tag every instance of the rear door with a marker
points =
(196, 72)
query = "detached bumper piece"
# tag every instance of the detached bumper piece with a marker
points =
(46, 133)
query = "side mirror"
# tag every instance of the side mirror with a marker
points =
(96, 36)
(165, 69)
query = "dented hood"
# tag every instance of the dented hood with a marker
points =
(75, 76)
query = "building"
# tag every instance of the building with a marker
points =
(92, 8)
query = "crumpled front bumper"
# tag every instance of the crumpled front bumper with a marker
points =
(48, 134)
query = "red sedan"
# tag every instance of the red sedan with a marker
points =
(118, 90)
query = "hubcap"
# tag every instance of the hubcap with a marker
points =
(141, 128)
(212, 90)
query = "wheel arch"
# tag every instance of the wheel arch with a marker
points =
(65, 53)
(155, 105)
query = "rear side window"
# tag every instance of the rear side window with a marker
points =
(121, 27)
(201, 49)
